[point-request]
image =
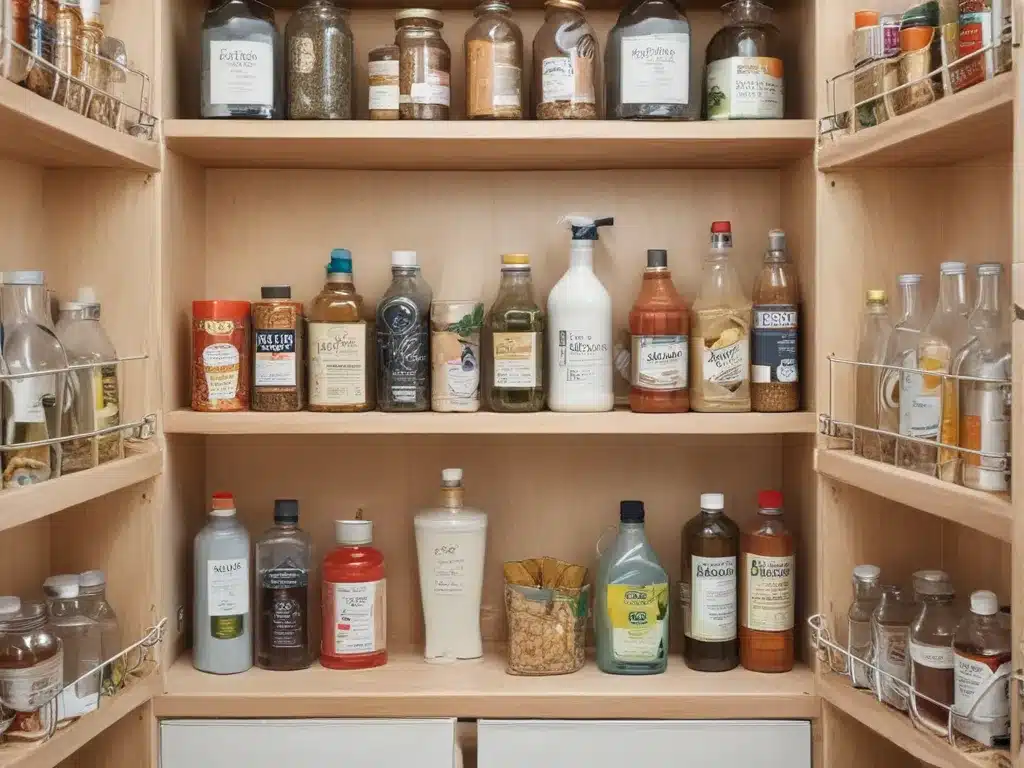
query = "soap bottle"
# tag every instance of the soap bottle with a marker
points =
(580, 328)
(631, 611)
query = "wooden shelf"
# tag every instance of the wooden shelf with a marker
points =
(620, 422)
(986, 512)
(974, 122)
(37, 131)
(66, 742)
(409, 687)
(496, 145)
(897, 728)
(22, 505)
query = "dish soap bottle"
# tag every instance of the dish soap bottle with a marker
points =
(450, 543)
(580, 325)
(632, 601)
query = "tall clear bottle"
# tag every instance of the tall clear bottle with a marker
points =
(982, 651)
(80, 638)
(32, 405)
(931, 648)
(867, 592)
(875, 329)
(890, 627)
(901, 351)
(403, 338)
(514, 331)
(92, 597)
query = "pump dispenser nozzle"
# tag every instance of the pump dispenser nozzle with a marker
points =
(585, 227)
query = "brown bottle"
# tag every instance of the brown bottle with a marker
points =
(710, 547)
(766, 609)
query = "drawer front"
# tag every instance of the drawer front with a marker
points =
(618, 743)
(352, 743)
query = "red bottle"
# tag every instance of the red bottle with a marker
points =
(354, 634)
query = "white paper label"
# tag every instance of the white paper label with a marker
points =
(768, 592)
(745, 87)
(713, 598)
(434, 91)
(337, 363)
(557, 79)
(660, 362)
(29, 688)
(81, 698)
(656, 69)
(582, 357)
(920, 401)
(357, 627)
(382, 69)
(28, 397)
(933, 656)
(241, 72)
(970, 685)
(384, 97)
(274, 358)
(449, 570)
(221, 363)
(728, 365)
(515, 360)
(228, 586)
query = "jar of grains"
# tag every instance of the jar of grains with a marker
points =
(383, 76)
(220, 355)
(494, 64)
(320, 61)
(425, 64)
(565, 64)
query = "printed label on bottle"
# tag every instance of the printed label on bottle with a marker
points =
(29, 395)
(227, 590)
(302, 55)
(434, 90)
(359, 614)
(932, 656)
(274, 358)
(583, 358)
(975, 32)
(637, 615)
(383, 78)
(286, 606)
(449, 570)
(81, 698)
(567, 78)
(456, 369)
(892, 658)
(713, 598)
(991, 703)
(768, 593)
(221, 366)
(985, 426)
(727, 365)
(493, 79)
(241, 72)
(515, 360)
(774, 344)
(337, 363)
(28, 688)
(920, 398)
(660, 362)
(745, 87)
(403, 349)
(656, 69)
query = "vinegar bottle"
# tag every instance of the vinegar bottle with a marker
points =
(354, 630)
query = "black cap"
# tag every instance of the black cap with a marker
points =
(657, 257)
(286, 511)
(276, 292)
(631, 511)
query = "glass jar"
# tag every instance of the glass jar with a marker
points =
(931, 649)
(866, 595)
(320, 63)
(744, 58)
(14, 27)
(42, 44)
(425, 65)
(890, 627)
(383, 83)
(494, 64)
(31, 660)
(565, 56)
(515, 330)
(650, 68)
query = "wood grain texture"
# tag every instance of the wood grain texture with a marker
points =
(849, 744)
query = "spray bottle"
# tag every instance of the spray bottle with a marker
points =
(580, 323)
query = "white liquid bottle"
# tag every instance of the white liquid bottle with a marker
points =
(450, 543)
(580, 329)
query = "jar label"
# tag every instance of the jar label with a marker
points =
(455, 375)
(448, 569)
(745, 87)
(275, 358)
(985, 426)
(515, 360)
(975, 33)
(713, 598)
(302, 55)
(357, 613)
(386, 70)
(660, 362)
(973, 687)
(655, 69)
(493, 79)
(891, 657)
(384, 89)
(768, 593)
(285, 605)
(932, 656)
(228, 586)
(434, 90)
(637, 615)
(568, 78)
(920, 397)
(583, 358)
(221, 364)
(337, 364)
(725, 361)
(774, 344)
(29, 395)
(403, 350)
(241, 73)
(29, 688)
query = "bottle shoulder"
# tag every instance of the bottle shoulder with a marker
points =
(579, 287)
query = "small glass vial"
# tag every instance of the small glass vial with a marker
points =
(931, 648)
(494, 64)
(425, 66)
(744, 76)
(982, 652)
(866, 594)
(383, 86)
(890, 627)
(320, 63)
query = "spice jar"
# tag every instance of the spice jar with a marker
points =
(14, 62)
(31, 660)
(277, 366)
(220, 355)
(383, 75)
(565, 64)
(744, 58)
(775, 365)
(320, 61)
(424, 70)
(42, 44)
(494, 64)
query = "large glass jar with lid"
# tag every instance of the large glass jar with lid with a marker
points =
(514, 330)
(565, 64)
(31, 659)
(931, 649)
(651, 70)
(424, 65)
(494, 64)
(320, 63)
(744, 65)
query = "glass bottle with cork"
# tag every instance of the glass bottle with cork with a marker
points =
(867, 592)
(515, 329)
(931, 649)
(278, 367)
(775, 349)
(982, 652)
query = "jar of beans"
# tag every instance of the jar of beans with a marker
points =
(320, 61)
(425, 64)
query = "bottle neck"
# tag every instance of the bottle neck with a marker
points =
(581, 254)
(910, 298)
(27, 302)
(866, 590)
(452, 498)
(952, 293)
(877, 308)
(339, 278)
(988, 293)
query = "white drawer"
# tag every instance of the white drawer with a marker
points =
(615, 743)
(352, 743)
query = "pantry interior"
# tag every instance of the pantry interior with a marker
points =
(219, 208)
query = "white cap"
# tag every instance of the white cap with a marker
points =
(9, 605)
(867, 572)
(451, 478)
(952, 268)
(403, 259)
(93, 578)
(984, 603)
(712, 501)
(990, 268)
(23, 277)
(353, 532)
(90, 9)
(910, 278)
(63, 585)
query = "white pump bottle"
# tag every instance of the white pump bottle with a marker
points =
(580, 328)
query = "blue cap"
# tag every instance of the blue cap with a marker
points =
(341, 261)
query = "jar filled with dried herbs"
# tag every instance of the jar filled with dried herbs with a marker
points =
(277, 365)
(565, 64)
(319, 44)
(775, 367)
(425, 65)
(383, 76)
(494, 64)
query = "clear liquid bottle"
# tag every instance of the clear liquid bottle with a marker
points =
(982, 651)
(403, 338)
(631, 605)
(931, 648)
(867, 592)
(81, 640)
(902, 344)
(890, 627)
(875, 329)
(92, 597)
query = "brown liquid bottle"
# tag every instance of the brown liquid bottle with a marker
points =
(767, 589)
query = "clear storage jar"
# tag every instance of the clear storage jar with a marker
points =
(425, 65)
(31, 659)
(494, 64)
(565, 59)
(744, 66)
(320, 61)
(383, 88)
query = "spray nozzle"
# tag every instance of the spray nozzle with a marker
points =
(585, 227)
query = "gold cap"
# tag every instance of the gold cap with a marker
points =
(876, 295)
(515, 258)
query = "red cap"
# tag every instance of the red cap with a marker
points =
(769, 499)
(721, 226)
(223, 500)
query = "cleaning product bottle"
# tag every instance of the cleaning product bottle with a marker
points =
(580, 328)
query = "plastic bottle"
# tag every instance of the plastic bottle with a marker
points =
(92, 597)
(354, 600)
(80, 638)
(580, 328)
(981, 651)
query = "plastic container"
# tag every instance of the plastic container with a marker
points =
(81, 640)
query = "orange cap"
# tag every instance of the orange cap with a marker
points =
(223, 500)
(916, 38)
(866, 19)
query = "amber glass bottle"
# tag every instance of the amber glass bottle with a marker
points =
(767, 589)
(660, 326)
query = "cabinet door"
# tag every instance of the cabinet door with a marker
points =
(615, 743)
(307, 743)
